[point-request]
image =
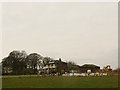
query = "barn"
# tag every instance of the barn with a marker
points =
(94, 68)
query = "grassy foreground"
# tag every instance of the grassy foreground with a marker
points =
(59, 82)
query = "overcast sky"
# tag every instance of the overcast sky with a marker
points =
(79, 32)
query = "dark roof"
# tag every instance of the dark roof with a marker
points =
(58, 61)
(89, 65)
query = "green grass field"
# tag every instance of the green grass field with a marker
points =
(59, 82)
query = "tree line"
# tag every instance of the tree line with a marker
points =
(18, 62)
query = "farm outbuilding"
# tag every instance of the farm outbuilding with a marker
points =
(84, 68)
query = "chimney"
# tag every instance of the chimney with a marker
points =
(60, 59)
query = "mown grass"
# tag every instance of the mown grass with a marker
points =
(59, 82)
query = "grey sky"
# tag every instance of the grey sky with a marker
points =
(79, 32)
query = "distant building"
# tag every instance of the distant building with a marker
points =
(84, 68)
(56, 66)
(49, 67)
